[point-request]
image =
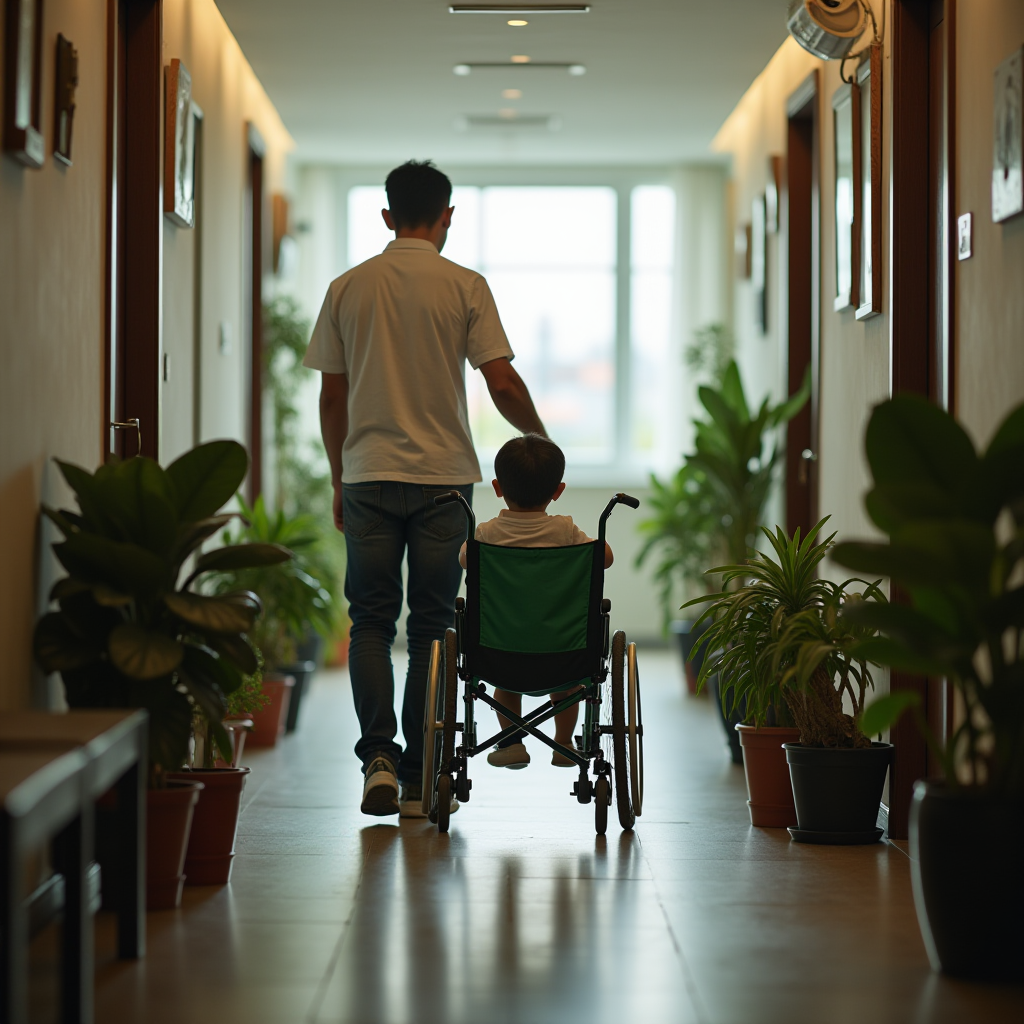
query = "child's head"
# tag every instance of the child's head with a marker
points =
(529, 471)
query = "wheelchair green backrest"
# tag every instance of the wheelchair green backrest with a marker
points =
(533, 618)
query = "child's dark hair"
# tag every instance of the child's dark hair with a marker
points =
(529, 470)
(418, 193)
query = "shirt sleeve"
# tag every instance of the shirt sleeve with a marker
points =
(326, 350)
(486, 338)
(579, 537)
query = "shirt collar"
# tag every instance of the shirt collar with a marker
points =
(510, 514)
(412, 243)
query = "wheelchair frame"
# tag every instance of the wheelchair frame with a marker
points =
(613, 688)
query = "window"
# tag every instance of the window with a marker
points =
(560, 276)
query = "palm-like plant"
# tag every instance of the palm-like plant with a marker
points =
(129, 632)
(777, 636)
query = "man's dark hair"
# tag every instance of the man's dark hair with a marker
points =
(418, 193)
(529, 470)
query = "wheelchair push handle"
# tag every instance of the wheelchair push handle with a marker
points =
(619, 499)
(449, 497)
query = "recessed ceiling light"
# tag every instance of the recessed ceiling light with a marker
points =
(577, 69)
(462, 69)
(512, 94)
(520, 58)
(517, 22)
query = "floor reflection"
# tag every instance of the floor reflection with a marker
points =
(448, 928)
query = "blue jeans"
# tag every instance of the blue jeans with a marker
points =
(382, 520)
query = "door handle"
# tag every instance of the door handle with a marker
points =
(806, 457)
(130, 424)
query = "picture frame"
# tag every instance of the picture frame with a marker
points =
(23, 60)
(869, 86)
(179, 146)
(846, 194)
(1007, 173)
(742, 250)
(758, 262)
(772, 191)
(64, 99)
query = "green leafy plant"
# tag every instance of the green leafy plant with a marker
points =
(293, 598)
(779, 639)
(710, 352)
(955, 524)
(713, 507)
(129, 631)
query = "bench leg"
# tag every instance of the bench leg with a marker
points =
(73, 850)
(130, 879)
(13, 929)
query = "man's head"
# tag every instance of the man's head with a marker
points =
(529, 472)
(418, 198)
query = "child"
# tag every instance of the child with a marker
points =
(529, 477)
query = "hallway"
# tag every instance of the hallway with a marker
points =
(521, 915)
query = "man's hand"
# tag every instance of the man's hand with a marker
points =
(334, 428)
(339, 510)
(511, 396)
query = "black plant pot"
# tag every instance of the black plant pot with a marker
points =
(967, 852)
(837, 792)
(729, 721)
(302, 671)
(689, 638)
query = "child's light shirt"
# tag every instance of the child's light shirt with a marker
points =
(531, 530)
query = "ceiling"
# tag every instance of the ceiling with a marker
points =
(371, 81)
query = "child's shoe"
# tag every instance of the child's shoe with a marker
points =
(515, 756)
(559, 760)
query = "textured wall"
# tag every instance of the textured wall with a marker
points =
(989, 297)
(52, 242)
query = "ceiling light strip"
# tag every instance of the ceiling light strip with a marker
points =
(519, 9)
(561, 65)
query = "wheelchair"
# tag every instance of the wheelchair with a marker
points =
(534, 621)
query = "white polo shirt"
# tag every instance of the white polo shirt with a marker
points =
(401, 327)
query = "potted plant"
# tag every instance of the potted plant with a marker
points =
(130, 631)
(294, 602)
(721, 493)
(954, 519)
(776, 634)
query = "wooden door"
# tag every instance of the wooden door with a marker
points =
(254, 256)
(802, 220)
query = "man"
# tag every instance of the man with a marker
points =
(392, 341)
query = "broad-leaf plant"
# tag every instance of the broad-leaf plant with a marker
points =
(130, 630)
(954, 520)
(777, 635)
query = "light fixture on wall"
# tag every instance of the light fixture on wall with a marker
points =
(828, 28)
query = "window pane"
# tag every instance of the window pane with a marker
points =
(652, 352)
(367, 232)
(653, 226)
(557, 226)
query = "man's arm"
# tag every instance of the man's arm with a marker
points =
(511, 397)
(334, 430)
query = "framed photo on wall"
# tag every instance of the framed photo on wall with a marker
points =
(1007, 174)
(869, 86)
(759, 263)
(23, 60)
(179, 147)
(846, 153)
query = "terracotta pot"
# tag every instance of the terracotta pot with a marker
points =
(768, 784)
(211, 846)
(268, 723)
(168, 823)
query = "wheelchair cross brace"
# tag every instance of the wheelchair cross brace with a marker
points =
(529, 724)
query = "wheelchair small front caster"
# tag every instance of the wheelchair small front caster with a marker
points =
(602, 800)
(463, 784)
(583, 790)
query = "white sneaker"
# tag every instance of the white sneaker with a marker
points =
(559, 760)
(380, 788)
(515, 756)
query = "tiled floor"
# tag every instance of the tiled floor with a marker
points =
(522, 915)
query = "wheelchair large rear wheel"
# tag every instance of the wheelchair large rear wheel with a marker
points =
(620, 744)
(433, 725)
(634, 731)
(441, 789)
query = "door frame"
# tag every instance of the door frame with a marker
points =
(254, 254)
(803, 243)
